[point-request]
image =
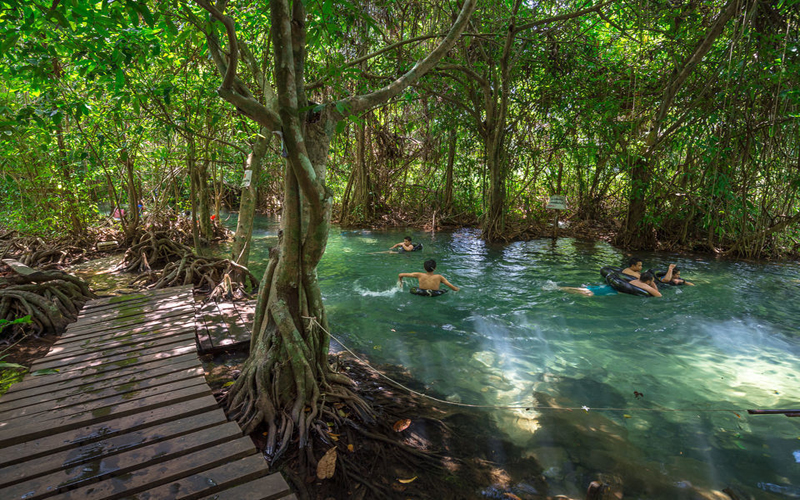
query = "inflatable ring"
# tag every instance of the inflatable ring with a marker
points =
(428, 293)
(417, 246)
(661, 274)
(620, 282)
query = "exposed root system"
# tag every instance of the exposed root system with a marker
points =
(179, 266)
(51, 298)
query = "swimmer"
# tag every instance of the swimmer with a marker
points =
(427, 280)
(634, 267)
(646, 282)
(406, 245)
(589, 291)
(673, 277)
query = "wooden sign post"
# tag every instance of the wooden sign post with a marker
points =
(557, 202)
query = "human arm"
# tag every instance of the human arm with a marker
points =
(452, 287)
(406, 275)
(652, 290)
(395, 246)
(687, 283)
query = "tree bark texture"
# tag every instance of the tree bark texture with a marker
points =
(247, 205)
(287, 374)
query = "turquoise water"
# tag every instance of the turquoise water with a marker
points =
(508, 338)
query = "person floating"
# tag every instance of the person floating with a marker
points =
(589, 291)
(647, 282)
(673, 277)
(634, 267)
(428, 282)
(644, 285)
(407, 246)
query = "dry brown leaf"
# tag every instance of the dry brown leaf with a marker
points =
(401, 425)
(511, 496)
(406, 481)
(327, 464)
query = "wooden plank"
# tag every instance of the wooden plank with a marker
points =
(126, 467)
(97, 431)
(18, 267)
(112, 302)
(76, 456)
(154, 294)
(101, 344)
(271, 487)
(82, 386)
(110, 335)
(123, 312)
(238, 332)
(79, 359)
(56, 383)
(27, 431)
(181, 344)
(76, 330)
(220, 478)
(140, 480)
(96, 407)
(131, 390)
(204, 344)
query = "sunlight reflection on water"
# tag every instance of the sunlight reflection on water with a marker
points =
(729, 343)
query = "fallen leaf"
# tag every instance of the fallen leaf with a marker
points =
(511, 496)
(406, 481)
(327, 464)
(401, 425)
(333, 436)
(351, 448)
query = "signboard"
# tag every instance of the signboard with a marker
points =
(557, 202)
(248, 175)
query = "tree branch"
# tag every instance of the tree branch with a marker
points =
(562, 17)
(359, 103)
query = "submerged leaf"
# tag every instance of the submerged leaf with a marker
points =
(406, 481)
(327, 464)
(401, 425)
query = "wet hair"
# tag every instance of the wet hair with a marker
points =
(633, 261)
(429, 265)
(646, 276)
(407, 238)
(676, 270)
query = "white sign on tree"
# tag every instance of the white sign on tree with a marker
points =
(557, 202)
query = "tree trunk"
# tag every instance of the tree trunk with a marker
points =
(133, 197)
(636, 234)
(447, 205)
(494, 218)
(203, 200)
(192, 166)
(247, 205)
(287, 372)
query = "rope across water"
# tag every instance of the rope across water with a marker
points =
(520, 406)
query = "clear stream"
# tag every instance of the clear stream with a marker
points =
(699, 356)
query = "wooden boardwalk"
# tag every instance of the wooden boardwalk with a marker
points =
(128, 414)
(224, 326)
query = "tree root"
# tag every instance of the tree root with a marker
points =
(51, 298)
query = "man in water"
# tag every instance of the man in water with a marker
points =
(427, 280)
(673, 277)
(634, 267)
(405, 245)
(646, 282)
